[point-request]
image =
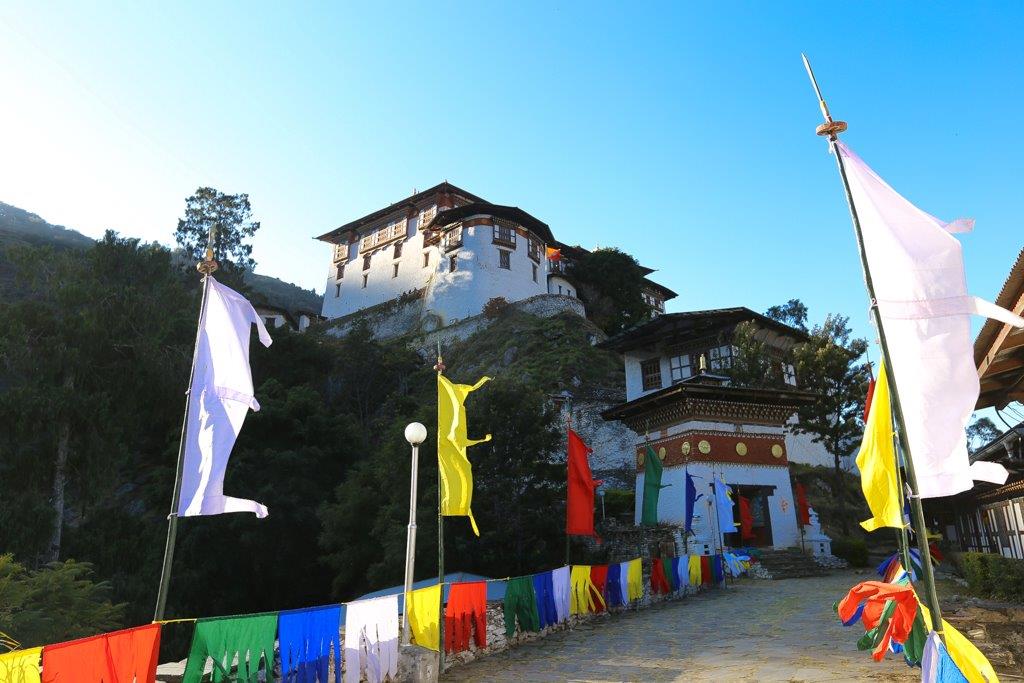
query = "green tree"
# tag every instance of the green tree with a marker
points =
(829, 366)
(610, 284)
(230, 215)
(56, 603)
(981, 432)
(754, 362)
(792, 313)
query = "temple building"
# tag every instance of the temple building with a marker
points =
(455, 251)
(680, 403)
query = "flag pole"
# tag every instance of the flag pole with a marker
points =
(207, 266)
(568, 428)
(439, 367)
(831, 130)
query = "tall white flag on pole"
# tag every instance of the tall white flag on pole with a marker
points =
(918, 272)
(222, 394)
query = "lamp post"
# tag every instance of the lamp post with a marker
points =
(415, 434)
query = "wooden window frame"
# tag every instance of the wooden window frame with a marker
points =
(650, 378)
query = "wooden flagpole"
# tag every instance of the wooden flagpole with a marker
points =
(831, 130)
(207, 266)
(568, 428)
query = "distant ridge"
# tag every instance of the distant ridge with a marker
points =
(19, 227)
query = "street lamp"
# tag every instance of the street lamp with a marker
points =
(415, 434)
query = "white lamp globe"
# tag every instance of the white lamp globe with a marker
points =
(415, 433)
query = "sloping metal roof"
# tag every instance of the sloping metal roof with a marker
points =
(999, 348)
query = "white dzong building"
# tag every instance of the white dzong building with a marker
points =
(452, 249)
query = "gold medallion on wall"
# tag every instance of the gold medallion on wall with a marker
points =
(661, 453)
(704, 447)
(741, 448)
(777, 451)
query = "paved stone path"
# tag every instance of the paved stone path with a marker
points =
(754, 631)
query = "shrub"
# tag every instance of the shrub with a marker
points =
(993, 575)
(495, 307)
(619, 502)
(853, 550)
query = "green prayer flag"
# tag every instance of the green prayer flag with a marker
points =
(521, 602)
(652, 488)
(250, 637)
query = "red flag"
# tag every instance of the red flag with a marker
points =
(746, 520)
(803, 512)
(579, 507)
(867, 400)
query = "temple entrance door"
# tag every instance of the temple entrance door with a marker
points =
(762, 527)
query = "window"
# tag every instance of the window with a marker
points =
(504, 260)
(453, 238)
(394, 272)
(789, 374)
(559, 289)
(269, 320)
(453, 263)
(340, 252)
(533, 249)
(504, 233)
(534, 271)
(337, 290)
(341, 271)
(721, 357)
(680, 367)
(364, 282)
(650, 371)
(426, 259)
(398, 249)
(366, 262)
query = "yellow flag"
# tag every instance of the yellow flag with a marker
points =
(452, 441)
(877, 462)
(424, 606)
(20, 666)
(972, 664)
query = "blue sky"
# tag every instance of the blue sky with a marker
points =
(682, 133)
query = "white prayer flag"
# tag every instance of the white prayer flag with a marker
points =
(724, 507)
(221, 397)
(918, 272)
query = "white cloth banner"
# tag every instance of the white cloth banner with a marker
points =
(371, 640)
(560, 586)
(221, 397)
(724, 507)
(918, 272)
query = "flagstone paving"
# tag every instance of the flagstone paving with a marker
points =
(754, 631)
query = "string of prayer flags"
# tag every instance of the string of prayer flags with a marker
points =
(20, 666)
(634, 580)
(599, 577)
(452, 442)
(520, 605)
(583, 591)
(974, 666)
(690, 500)
(220, 397)
(465, 615)
(250, 638)
(128, 655)
(936, 664)
(877, 462)
(693, 564)
(371, 639)
(614, 587)
(561, 588)
(306, 637)
(579, 508)
(543, 587)
(422, 609)
(659, 582)
(919, 283)
(868, 602)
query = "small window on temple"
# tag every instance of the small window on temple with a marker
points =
(453, 263)
(650, 371)
(426, 259)
(534, 271)
(364, 282)
(337, 290)
(398, 249)
(394, 273)
(789, 374)
(366, 262)
(680, 367)
(341, 270)
(504, 260)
